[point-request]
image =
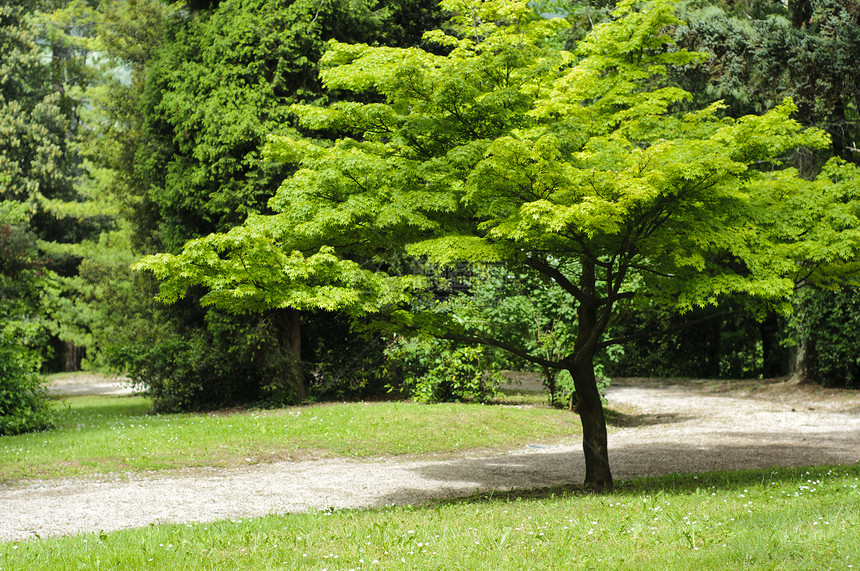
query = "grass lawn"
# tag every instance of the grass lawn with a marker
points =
(764, 519)
(99, 434)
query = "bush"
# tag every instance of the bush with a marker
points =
(24, 287)
(827, 325)
(23, 402)
(441, 371)
(341, 363)
(227, 361)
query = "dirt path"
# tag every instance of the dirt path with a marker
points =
(664, 428)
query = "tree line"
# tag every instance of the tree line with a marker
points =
(340, 199)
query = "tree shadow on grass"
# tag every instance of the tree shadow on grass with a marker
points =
(677, 468)
(673, 484)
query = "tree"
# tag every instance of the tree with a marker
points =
(825, 322)
(217, 80)
(763, 52)
(572, 167)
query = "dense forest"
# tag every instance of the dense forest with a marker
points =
(269, 201)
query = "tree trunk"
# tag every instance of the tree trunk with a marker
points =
(73, 357)
(289, 330)
(775, 358)
(598, 476)
(589, 406)
(714, 347)
(803, 365)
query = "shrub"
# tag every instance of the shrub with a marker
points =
(827, 325)
(23, 402)
(441, 371)
(227, 361)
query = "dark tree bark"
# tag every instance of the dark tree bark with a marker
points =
(73, 357)
(598, 476)
(775, 357)
(288, 325)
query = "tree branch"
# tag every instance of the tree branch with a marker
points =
(553, 273)
(514, 350)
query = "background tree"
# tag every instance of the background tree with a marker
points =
(51, 70)
(824, 324)
(213, 83)
(34, 170)
(507, 151)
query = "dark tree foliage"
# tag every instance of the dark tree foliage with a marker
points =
(34, 122)
(726, 342)
(827, 324)
(220, 81)
(763, 51)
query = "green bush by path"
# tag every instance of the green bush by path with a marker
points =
(764, 519)
(104, 434)
(23, 403)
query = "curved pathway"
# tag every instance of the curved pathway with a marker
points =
(672, 429)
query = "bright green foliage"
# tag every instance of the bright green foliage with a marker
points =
(507, 152)
(221, 82)
(220, 77)
(570, 166)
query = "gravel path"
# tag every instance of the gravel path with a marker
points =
(665, 428)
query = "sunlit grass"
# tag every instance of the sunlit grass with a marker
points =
(764, 519)
(118, 434)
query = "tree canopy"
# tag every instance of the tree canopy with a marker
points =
(501, 149)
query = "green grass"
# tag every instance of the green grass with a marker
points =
(118, 434)
(764, 519)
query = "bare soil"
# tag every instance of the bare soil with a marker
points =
(656, 427)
